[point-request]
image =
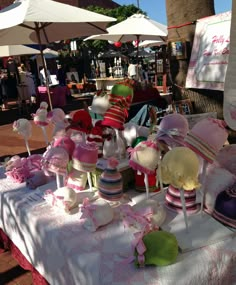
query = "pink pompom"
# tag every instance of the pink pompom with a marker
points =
(112, 162)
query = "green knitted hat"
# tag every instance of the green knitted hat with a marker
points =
(161, 249)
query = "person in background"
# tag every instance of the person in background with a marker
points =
(132, 70)
(3, 91)
(61, 75)
(42, 77)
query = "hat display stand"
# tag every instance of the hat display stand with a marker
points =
(180, 169)
(146, 185)
(121, 149)
(203, 178)
(45, 135)
(184, 208)
(206, 138)
(84, 137)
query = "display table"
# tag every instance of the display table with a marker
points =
(82, 87)
(58, 95)
(107, 82)
(62, 251)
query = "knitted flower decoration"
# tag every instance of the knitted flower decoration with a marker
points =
(112, 162)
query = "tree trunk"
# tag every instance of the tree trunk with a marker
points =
(181, 18)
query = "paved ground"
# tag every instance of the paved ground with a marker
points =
(11, 143)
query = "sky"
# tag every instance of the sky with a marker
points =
(156, 9)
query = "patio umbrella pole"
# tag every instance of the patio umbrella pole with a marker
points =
(44, 65)
(137, 55)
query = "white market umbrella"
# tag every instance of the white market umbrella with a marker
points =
(151, 43)
(45, 21)
(17, 50)
(137, 27)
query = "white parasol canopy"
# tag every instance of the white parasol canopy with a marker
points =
(45, 21)
(151, 43)
(21, 22)
(48, 54)
(138, 26)
(17, 50)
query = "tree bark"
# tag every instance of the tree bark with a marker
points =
(181, 20)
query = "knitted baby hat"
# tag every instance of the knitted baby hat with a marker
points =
(120, 99)
(76, 180)
(110, 185)
(40, 117)
(158, 248)
(225, 207)
(145, 157)
(180, 168)
(65, 142)
(85, 157)
(173, 200)
(96, 214)
(96, 136)
(115, 117)
(122, 89)
(23, 127)
(55, 160)
(207, 137)
(173, 129)
(81, 121)
(100, 103)
(56, 115)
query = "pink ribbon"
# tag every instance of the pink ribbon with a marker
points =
(131, 217)
(142, 146)
(139, 246)
(55, 200)
(88, 211)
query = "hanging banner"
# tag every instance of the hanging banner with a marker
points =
(229, 106)
(210, 53)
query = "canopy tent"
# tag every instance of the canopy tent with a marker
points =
(17, 50)
(111, 54)
(137, 27)
(142, 53)
(45, 21)
(48, 54)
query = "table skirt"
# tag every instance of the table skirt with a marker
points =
(6, 243)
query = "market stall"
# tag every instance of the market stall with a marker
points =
(111, 202)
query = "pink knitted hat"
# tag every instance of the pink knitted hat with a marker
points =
(85, 157)
(173, 129)
(65, 142)
(56, 115)
(40, 118)
(55, 160)
(207, 137)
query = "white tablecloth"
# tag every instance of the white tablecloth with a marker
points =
(63, 252)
